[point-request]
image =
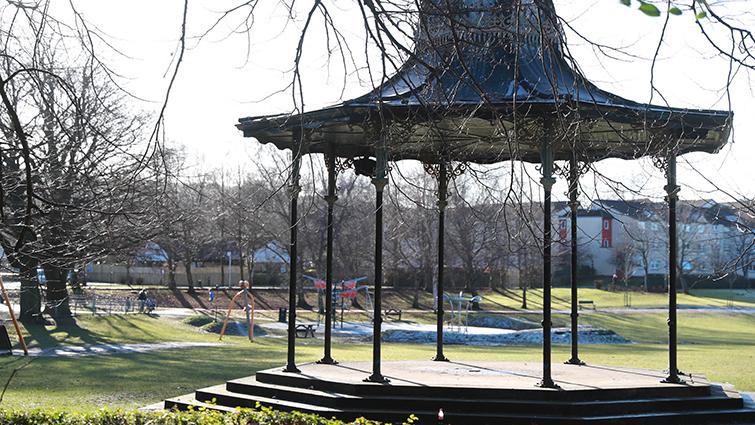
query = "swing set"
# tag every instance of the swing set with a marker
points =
(248, 307)
(13, 318)
(348, 291)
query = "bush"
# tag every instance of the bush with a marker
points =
(198, 320)
(263, 416)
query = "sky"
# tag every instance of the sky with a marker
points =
(227, 75)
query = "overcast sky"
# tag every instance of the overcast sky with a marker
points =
(220, 82)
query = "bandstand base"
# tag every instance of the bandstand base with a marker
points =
(481, 393)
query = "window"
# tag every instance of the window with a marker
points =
(606, 224)
(605, 243)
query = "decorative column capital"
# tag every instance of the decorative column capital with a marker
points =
(672, 192)
(547, 182)
(294, 187)
(379, 183)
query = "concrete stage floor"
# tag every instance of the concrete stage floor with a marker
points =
(492, 375)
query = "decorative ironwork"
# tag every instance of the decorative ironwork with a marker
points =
(661, 163)
(432, 169)
(330, 198)
(343, 164)
(480, 25)
(672, 190)
(453, 169)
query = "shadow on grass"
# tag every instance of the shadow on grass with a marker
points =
(42, 336)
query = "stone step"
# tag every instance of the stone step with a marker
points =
(364, 389)
(250, 386)
(189, 400)
(690, 417)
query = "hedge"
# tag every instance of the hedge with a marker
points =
(260, 416)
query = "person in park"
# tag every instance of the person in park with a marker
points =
(142, 298)
(146, 304)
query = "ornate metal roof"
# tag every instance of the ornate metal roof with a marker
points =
(489, 81)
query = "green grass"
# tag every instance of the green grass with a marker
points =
(136, 328)
(720, 345)
(500, 300)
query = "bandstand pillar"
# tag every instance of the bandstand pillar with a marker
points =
(547, 181)
(331, 198)
(294, 189)
(672, 193)
(573, 205)
(442, 202)
(379, 181)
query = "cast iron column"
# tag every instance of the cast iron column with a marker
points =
(380, 180)
(294, 188)
(573, 204)
(331, 200)
(547, 182)
(672, 192)
(442, 194)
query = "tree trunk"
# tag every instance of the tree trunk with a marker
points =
(171, 274)
(241, 265)
(301, 301)
(222, 271)
(418, 284)
(683, 281)
(57, 304)
(189, 277)
(30, 297)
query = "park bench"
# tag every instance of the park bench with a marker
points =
(305, 330)
(587, 303)
(393, 312)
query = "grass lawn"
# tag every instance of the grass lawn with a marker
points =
(500, 300)
(720, 345)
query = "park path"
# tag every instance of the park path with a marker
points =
(183, 312)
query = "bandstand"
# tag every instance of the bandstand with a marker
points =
(489, 81)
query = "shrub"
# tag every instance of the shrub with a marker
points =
(263, 416)
(198, 320)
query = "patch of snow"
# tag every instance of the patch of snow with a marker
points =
(506, 337)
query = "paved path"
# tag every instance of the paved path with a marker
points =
(182, 312)
(108, 349)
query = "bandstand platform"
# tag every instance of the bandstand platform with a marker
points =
(488, 82)
(481, 392)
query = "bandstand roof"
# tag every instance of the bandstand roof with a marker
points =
(489, 81)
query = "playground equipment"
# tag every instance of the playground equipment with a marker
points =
(248, 308)
(348, 291)
(13, 318)
(460, 307)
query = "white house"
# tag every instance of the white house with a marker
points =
(629, 239)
